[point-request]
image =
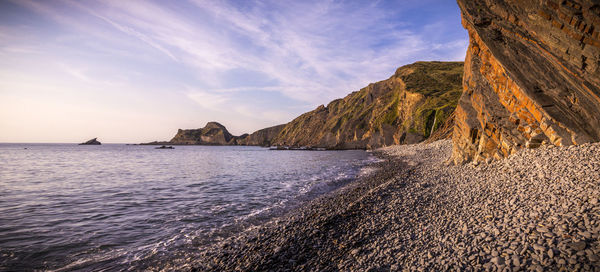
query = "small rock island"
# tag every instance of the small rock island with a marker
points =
(91, 142)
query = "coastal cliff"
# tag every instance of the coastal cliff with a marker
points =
(404, 109)
(407, 108)
(262, 137)
(211, 134)
(216, 134)
(532, 76)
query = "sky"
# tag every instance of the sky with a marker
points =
(136, 71)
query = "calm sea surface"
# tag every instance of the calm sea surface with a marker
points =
(118, 207)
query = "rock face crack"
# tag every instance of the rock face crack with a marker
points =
(531, 72)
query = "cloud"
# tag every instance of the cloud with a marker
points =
(208, 100)
(316, 50)
(77, 73)
(264, 60)
(141, 36)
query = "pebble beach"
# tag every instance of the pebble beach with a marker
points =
(535, 210)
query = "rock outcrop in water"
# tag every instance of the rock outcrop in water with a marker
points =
(406, 108)
(532, 75)
(91, 142)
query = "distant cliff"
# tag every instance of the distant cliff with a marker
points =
(211, 134)
(532, 75)
(262, 137)
(406, 108)
(216, 134)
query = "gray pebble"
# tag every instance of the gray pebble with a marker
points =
(497, 260)
(578, 246)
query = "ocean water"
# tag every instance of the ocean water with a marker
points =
(112, 207)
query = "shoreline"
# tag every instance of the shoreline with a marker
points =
(245, 226)
(273, 148)
(417, 213)
(312, 214)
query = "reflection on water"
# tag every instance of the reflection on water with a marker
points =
(116, 207)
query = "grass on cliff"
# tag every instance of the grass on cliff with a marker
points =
(437, 85)
(441, 85)
(431, 78)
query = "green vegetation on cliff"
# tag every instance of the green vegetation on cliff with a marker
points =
(406, 108)
(418, 100)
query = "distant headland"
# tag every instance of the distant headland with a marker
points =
(414, 104)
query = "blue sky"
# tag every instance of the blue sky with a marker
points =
(136, 71)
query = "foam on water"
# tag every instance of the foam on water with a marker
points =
(117, 207)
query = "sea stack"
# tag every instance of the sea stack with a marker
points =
(91, 142)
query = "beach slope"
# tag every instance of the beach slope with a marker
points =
(537, 209)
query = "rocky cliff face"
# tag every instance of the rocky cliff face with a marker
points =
(262, 137)
(216, 134)
(532, 75)
(212, 134)
(406, 108)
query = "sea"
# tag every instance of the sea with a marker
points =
(117, 207)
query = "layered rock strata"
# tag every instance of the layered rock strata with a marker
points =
(406, 108)
(532, 76)
(410, 106)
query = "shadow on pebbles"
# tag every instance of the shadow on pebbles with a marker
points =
(536, 210)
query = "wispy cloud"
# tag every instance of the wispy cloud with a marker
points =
(136, 34)
(304, 53)
(77, 73)
(209, 100)
(315, 50)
